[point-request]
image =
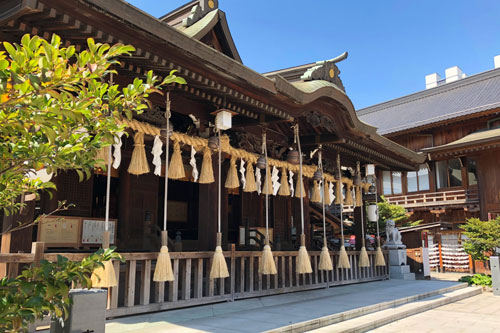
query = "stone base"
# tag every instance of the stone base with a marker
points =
(397, 257)
(401, 272)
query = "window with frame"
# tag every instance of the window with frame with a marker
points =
(471, 172)
(448, 173)
(392, 182)
(418, 180)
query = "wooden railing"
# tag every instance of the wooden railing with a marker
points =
(444, 198)
(137, 293)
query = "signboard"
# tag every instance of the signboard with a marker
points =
(93, 229)
(57, 231)
(74, 231)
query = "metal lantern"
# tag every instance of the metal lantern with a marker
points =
(318, 175)
(293, 157)
(261, 162)
(357, 180)
(336, 174)
(213, 142)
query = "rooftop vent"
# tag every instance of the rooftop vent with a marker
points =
(432, 80)
(453, 74)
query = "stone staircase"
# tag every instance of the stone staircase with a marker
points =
(376, 315)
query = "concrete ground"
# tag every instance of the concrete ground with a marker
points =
(476, 314)
(266, 313)
(448, 276)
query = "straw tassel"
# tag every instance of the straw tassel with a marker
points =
(300, 182)
(359, 199)
(325, 261)
(267, 188)
(104, 277)
(343, 258)
(103, 155)
(284, 188)
(303, 261)
(138, 164)
(267, 265)
(326, 194)
(219, 265)
(338, 192)
(363, 258)
(250, 179)
(316, 195)
(348, 195)
(379, 256)
(207, 172)
(232, 180)
(163, 270)
(176, 167)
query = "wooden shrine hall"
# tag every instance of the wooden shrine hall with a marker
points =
(195, 40)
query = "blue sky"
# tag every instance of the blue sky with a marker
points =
(392, 44)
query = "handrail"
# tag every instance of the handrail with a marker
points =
(138, 293)
(435, 198)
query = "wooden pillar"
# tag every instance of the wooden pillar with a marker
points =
(207, 223)
(357, 228)
(18, 241)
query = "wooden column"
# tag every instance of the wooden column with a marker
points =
(207, 224)
(357, 228)
(20, 240)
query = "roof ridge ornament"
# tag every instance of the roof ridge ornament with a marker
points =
(326, 70)
(199, 11)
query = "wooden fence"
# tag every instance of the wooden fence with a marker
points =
(137, 293)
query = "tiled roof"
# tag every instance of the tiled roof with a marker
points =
(476, 138)
(480, 92)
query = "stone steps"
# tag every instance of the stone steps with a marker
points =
(373, 316)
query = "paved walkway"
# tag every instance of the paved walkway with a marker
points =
(265, 313)
(478, 314)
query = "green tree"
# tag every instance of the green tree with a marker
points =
(388, 211)
(58, 108)
(44, 290)
(483, 238)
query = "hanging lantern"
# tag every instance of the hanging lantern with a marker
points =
(261, 162)
(213, 142)
(372, 213)
(293, 157)
(318, 175)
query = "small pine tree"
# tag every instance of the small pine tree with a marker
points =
(483, 238)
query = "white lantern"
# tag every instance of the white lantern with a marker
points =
(223, 119)
(370, 170)
(372, 213)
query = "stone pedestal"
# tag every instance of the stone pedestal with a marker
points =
(398, 269)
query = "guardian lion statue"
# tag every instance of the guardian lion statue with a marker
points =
(392, 233)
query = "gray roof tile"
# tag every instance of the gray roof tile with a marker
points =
(473, 94)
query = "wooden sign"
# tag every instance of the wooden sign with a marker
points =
(74, 231)
(93, 229)
(57, 231)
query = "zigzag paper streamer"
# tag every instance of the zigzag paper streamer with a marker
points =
(157, 151)
(117, 150)
(275, 180)
(192, 162)
(242, 172)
